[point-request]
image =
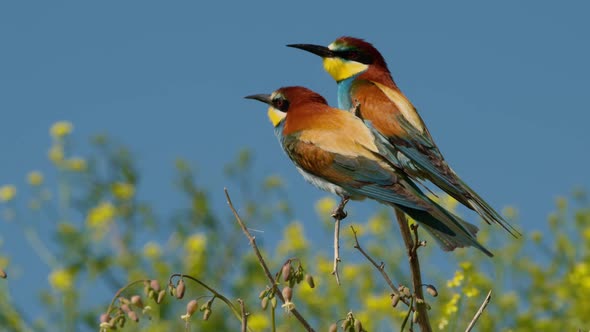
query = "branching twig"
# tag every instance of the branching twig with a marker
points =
(407, 315)
(263, 263)
(411, 246)
(211, 289)
(121, 290)
(244, 316)
(480, 311)
(379, 267)
(339, 214)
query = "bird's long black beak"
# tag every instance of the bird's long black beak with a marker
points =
(322, 51)
(265, 98)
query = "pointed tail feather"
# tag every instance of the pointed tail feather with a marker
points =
(448, 239)
(488, 213)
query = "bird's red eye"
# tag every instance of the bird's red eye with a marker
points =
(279, 103)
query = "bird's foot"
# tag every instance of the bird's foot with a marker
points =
(339, 213)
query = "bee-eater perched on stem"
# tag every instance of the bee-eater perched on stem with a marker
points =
(362, 76)
(337, 152)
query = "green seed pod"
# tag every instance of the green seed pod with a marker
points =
(287, 293)
(161, 296)
(125, 308)
(133, 316)
(191, 307)
(180, 289)
(309, 280)
(406, 292)
(395, 300)
(105, 318)
(432, 290)
(264, 303)
(358, 327)
(262, 294)
(207, 314)
(155, 285)
(346, 324)
(273, 302)
(136, 300)
(286, 270)
(333, 328)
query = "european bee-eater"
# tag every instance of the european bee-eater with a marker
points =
(337, 152)
(362, 76)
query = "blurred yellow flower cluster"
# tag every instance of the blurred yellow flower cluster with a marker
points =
(293, 238)
(7, 193)
(101, 215)
(195, 247)
(325, 206)
(35, 178)
(152, 250)
(61, 280)
(580, 276)
(195, 244)
(258, 321)
(61, 129)
(457, 279)
(122, 190)
(76, 164)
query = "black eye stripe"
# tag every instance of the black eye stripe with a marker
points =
(281, 104)
(355, 55)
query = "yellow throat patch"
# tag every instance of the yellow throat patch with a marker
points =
(341, 69)
(275, 116)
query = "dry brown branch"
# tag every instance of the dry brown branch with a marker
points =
(244, 315)
(269, 276)
(480, 311)
(411, 247)
(379, 267)
(339, 214)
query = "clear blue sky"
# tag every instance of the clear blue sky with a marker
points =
(502, 86)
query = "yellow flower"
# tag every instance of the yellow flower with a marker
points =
(451, 306)
(457, 280)
(325, 265)
(76, 164)
(293, 238)
(350, 271)
(536, 236)
(580, 276)
(101, 215)
(7, 193)
(61, 129)
(510, 212)
(61, 280)
(123, 191)
(471, 291)
(35, 178)
(258, 321)
(442, 324)
(195, 243)
(325, 206)
(377, 225)
(466, 265)
(56, 154)
(152, 250)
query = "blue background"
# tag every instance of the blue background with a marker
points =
(502, 86)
